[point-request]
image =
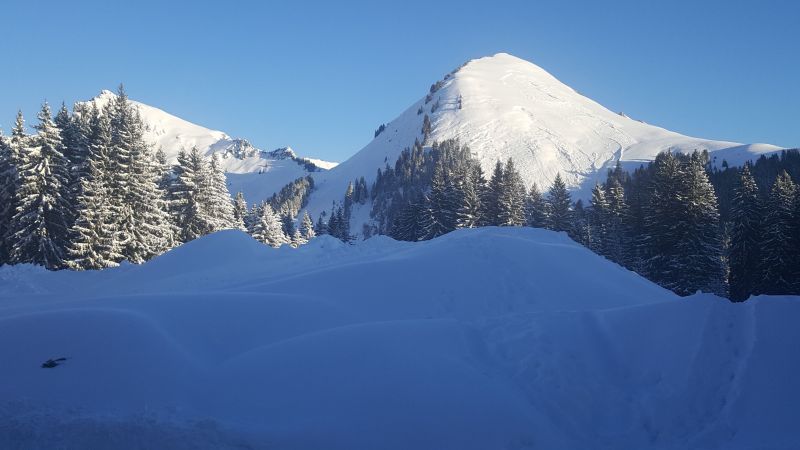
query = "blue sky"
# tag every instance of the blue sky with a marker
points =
(321, 76)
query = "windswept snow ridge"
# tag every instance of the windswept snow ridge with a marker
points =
(481, 339)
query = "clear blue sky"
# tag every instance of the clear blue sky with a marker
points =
(321, 76)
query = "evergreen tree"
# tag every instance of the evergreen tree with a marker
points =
(559, 202)
(321, 227)
(188, 197)
(220, 205)
(701, 247)
(777, 249)
(580, 231)
(268, 229)
(92, 243)
(348, 200)
(684, 251)
(494, 191)
(11, 150)
(443, 203)
(598, 219)
(662, 229)
(239, 211)
(535, 208)
(39, 226)
(471, 186)
(744, 257)
(616, 217)
(146, 221)
(306, 227)
(511, 201)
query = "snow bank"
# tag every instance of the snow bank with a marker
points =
(484, 339)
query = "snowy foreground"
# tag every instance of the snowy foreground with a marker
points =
(482, 339)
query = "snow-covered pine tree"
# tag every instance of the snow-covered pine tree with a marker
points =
(443, 203)
(343, 226)
(147, 226)
(8, 188)
(39, 226)
(777, 247)
(684, 248)
(471, 185)
(511, 201)
(745, 236)
(268, 229)
(287, 223)
(297, 239)
(535, 208)
(559, 203)
(74, 136)
(580, 231)
(239, 211)
(94, 242)
(189, 197)
(164, 170)
(221, 206)
(616, 219)
(321, 228)
(700, 249)
(307, 227)
(92, 236)
(494, 191)
(662, 232)
(598, 219)
(348, 200)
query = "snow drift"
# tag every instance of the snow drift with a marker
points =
(486, 339)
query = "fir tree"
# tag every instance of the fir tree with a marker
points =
(220, 205)
(598, 219)
(268, 229)
(535, 208)
(39, 226)
(145, 222)
(306, 227)
(11, 150)
(443, 203)
(777, 250)
(92, 243)
(616, 217)
(471, 186)
(492, 196)
(744, 257)
(682, 228)
(239, 211)
(511, 198)
(559, 202)
(701, 247)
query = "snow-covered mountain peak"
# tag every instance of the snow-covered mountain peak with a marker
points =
(504, 107)
(256, 172)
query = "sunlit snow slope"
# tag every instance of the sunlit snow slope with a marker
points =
(513, 108)
(481, 339)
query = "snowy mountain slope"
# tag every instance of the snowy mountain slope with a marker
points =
(255, 172)
(502, 106)
(481, 339)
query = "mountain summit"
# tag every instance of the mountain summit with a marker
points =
(502, 106)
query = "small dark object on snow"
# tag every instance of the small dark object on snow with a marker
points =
(50, 363)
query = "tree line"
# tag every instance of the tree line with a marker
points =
(87, 191)
(662, 221)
